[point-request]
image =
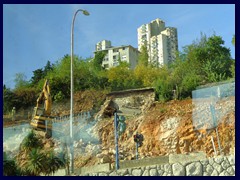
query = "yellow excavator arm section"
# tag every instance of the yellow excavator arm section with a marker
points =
(45, 97)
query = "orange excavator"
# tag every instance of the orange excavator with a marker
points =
(42, 119)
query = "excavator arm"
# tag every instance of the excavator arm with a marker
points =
(45, 99)
(42, 119)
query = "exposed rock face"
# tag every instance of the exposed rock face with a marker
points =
(107, 109)
(168, 129)
(105, 159)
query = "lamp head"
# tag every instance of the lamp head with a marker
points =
(85, 12)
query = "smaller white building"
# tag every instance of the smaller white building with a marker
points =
(114, 55)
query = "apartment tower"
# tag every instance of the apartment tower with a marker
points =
(161, 42)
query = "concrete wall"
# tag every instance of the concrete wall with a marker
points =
(133, 102)
(177, 165)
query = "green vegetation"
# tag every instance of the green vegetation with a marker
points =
(204, 61)
(9, 166)
(32, 159)
(143, 56)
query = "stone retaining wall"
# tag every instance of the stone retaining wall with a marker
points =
(129, 103)
(133, 102)
(217, 166)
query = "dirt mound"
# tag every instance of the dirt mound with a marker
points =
(83, 101)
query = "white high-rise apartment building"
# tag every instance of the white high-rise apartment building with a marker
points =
(115, 54)
(103, 45)
(161, 41)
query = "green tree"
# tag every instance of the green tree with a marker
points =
(8, 99)
(20, 80)
(189, 83)
(98, 59)
(47, 68)
(24, 97)
(146, 75)
(185, 76)
(210, 58)
(59, 77)
(218, 60)
(143, 56)
(38, 74)
(164, 85)
(121, 77)
(88, 76)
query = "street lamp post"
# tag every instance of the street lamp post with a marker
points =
(71, 106)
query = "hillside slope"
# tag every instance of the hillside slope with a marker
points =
(168, 128)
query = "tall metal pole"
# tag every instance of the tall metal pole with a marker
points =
(116, 140)
(136, 150)
(71, 100)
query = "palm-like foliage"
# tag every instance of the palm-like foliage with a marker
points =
(34, 160)
(35, 163)
(30, 141)
(29, 155)
(53, 163)
(9, 166)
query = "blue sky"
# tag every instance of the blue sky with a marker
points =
(36, 33)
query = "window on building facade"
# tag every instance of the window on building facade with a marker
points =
(124, 57)
(144, 36)
(114, 57)
(105, 59)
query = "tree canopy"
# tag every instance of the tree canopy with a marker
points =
(204, 61)
(143, 56)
